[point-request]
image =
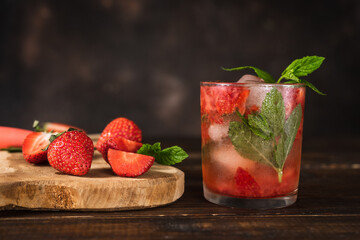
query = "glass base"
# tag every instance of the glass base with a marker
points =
(251, 203)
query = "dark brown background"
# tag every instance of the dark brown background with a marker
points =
(87, 62)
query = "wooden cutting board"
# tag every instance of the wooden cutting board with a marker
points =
(40, 187)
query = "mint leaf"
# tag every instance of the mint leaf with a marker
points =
(260, 73)
(146, 149)
(302, 67)
(287, 139)
(259, 126)
(291, 127)
(250, 145)
(266, 137)
(167, 156)
(273, 110)
(171, 155)
(280, 156)
(310, 85)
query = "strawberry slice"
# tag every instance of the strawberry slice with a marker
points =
(33, 145)
(217, 101)
(58, 127)
(228, 99)
(251, 110)
(127, 164)
(119, 143)
(12, 137)
(247, 186)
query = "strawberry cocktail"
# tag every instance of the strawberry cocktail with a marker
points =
(252, 136)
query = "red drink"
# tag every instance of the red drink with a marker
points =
(251, 143)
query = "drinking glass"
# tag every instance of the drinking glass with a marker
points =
(251, 137)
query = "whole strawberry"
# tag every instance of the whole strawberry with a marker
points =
(119, 127)
(71, 152)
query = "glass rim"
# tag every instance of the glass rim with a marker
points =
(251, 84)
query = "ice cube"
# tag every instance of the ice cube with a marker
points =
(227, 159)
(218, 132)
(257, 95)
(248, 78)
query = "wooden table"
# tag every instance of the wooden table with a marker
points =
(328, 207)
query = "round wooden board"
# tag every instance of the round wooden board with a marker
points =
(28, 186)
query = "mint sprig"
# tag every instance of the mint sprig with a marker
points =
(298, 68)
(261, 73)
(167, 156)
(266, 137)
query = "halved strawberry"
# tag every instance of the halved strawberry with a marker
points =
(127, 164)
(119, 143)
(58, 127)
(119, 127)
(247, 186)
(33, 145)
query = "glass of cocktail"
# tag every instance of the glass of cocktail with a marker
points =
(251, 143)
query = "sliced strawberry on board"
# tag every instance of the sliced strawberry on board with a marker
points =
(120, 127)
(12, 137)
(247, 186)
(58, 127)
(71, 153)
(127, 164)
(119, 143)
(34, 145)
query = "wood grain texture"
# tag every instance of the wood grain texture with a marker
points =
(24, 185)
(328, 207)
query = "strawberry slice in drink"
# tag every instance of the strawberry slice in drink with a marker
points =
(246, 184)
(222, 100)
(228, 99)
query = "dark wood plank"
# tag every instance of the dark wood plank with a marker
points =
(215, 227)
